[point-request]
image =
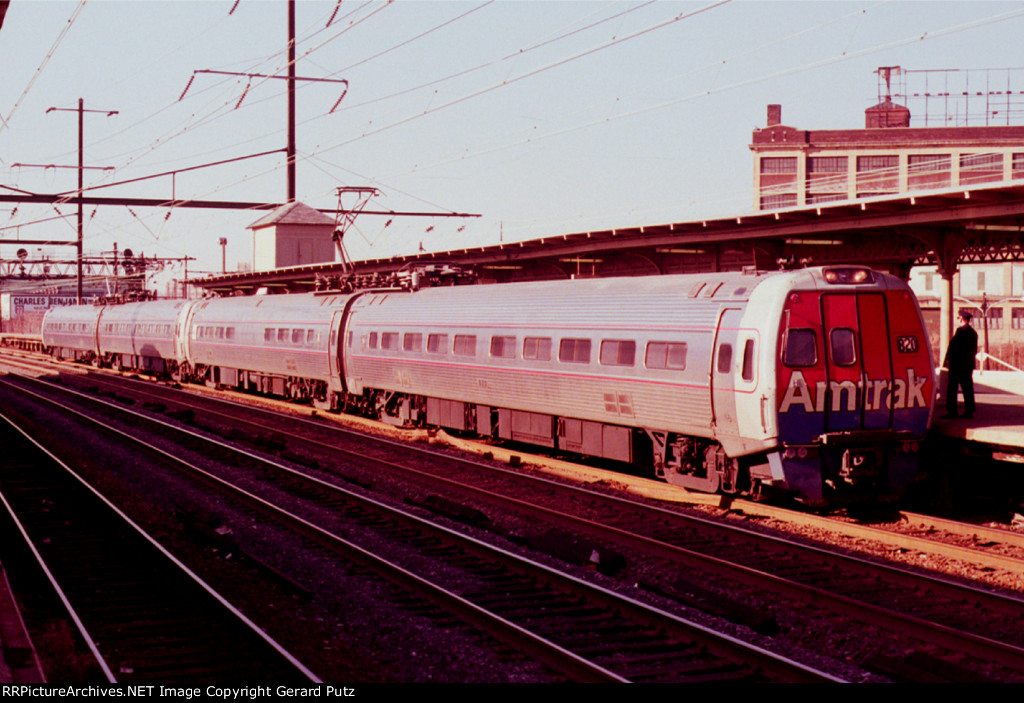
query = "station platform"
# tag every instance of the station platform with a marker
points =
(998, 421)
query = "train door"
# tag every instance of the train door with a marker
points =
(836, 370)
(858, 362)
(182, 323)
(723, 377)
(337, 341)
(94, 333)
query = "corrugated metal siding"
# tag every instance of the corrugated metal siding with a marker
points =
(642, 310)
(71, 314)
(250, 316)
(131, 341)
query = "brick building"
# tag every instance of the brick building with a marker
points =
(798, 168)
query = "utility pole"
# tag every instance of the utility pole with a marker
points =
(291, 78)
(291, 102)
(223, 255)
(81, 171)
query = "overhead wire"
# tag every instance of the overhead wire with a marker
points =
(46, 59)
(220, 110)
(766, 77)
(530, 74)
(489, 64)
(843, 56)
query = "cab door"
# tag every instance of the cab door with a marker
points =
(724, 363)
(858, 362)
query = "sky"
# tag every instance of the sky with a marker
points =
(544, 117)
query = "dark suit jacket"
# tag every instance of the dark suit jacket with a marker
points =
(962, 349)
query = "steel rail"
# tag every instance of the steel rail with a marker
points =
(975, 556)
(946, 586)
(178, 565)
(764, 660)
(921, 628)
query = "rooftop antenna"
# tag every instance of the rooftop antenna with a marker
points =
(886, 73)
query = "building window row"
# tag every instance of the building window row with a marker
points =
(778, 164)
(876, 174)
(827, 164)
(775, 202)
(875, 163)
(1017, 166)
(1017, 318)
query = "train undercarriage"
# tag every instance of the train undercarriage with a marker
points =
(694, 463)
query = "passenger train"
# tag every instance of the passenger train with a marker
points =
(818, 382)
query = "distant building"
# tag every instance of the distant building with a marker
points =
(292, 235)
(797, 168)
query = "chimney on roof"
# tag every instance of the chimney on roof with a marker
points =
(774, 115)
(886, 114)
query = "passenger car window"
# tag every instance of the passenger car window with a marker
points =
(843, 344)
(465, 344)
(537, 348)
(389, 340)
(574, 351)
(437, 343)
(618, 352)
(666, 355)
(748, 360)
(800, 348)
(413, 341)
(503, 347)
(724, 358)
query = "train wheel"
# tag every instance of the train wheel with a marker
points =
(325, 404)
(180, 373)
(704, 484)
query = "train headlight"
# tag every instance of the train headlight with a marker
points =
(850, 275)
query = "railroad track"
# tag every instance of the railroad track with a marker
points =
(894, 599)
(144, 616)
(985, 547)
(584, 631)
(979, 545)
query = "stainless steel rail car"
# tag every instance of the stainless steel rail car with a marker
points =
(816, 382)
(70, 332)
(141, 336)
(283, 345)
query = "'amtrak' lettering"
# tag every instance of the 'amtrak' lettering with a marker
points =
(845, 395)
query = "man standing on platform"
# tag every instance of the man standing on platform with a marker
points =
(960, 363)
